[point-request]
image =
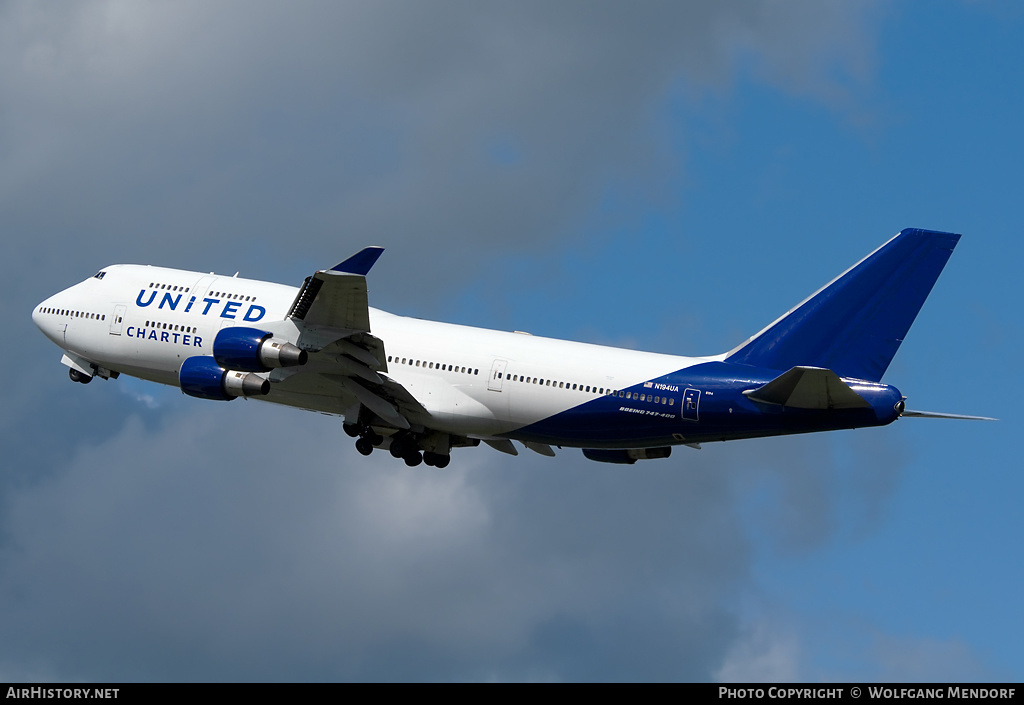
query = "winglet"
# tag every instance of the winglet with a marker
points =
(360, 262)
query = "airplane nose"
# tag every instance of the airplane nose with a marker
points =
(45, 318)
(37, 315)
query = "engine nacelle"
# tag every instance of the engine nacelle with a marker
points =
(202, 377)
(253, 350)
(627, 457)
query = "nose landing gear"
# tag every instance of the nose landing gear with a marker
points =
(77, 376)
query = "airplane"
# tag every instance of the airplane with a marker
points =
(418, 389)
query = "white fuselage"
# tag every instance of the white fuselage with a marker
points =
(145, 321)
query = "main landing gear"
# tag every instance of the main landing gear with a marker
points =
(368, 438)
(403, 445)
(436, 459)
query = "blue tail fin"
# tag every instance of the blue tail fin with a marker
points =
(855, 324)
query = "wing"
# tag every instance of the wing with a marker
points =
(331, 320)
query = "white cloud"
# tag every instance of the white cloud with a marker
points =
(766, 653)
(228, 129)
(201, 549)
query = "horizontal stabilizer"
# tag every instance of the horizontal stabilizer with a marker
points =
(809, 388)
(937, 415)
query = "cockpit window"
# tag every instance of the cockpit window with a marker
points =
(99, 275)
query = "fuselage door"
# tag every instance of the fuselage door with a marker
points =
(117, 319)
(200, 288)
(497, 373)
(691, 402)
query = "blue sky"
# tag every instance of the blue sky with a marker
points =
(659, 177)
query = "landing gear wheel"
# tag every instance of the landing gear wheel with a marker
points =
(77, 376)
(413, 459)
(374, 438)
(437, 459)
(364, 446)
(351, 429)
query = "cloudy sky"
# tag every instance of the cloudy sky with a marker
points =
(666, 176)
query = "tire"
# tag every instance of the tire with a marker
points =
(77, 376)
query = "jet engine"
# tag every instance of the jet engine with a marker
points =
(254, 350)
(202, 377)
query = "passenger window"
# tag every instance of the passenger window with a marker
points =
(672, 402)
